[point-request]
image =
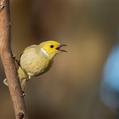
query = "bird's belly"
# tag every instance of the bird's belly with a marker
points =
(34, 65)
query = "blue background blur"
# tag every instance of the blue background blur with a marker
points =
(110, 82)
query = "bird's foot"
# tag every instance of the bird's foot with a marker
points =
(23, 94)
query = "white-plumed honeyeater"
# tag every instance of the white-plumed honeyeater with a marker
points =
(37, 59)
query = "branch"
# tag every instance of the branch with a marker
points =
(8, 62)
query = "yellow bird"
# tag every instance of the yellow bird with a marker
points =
(37, 59)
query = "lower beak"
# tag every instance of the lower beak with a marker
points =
(60, 48)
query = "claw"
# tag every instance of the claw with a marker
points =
(23, 94)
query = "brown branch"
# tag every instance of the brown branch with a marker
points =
(8, 62)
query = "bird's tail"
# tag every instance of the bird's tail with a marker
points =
(22, 77)
(22, 82)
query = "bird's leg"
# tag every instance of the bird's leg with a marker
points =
(23, 85)
(29, 75)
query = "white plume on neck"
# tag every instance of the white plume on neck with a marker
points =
(44, 52)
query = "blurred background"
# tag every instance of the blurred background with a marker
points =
(70, 90)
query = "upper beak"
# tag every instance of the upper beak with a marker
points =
(60, 48)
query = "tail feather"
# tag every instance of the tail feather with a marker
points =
(22, 77)
(22, 82)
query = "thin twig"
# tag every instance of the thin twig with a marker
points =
(8, 62)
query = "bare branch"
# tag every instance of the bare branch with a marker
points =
(8, 62)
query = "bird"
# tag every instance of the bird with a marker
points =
(36, 60)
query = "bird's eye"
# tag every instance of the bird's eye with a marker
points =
(51, 46)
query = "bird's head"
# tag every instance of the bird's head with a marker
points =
(51, 48)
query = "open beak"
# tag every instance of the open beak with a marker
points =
(60, 48)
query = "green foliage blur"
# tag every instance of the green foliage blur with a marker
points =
(70, 90)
